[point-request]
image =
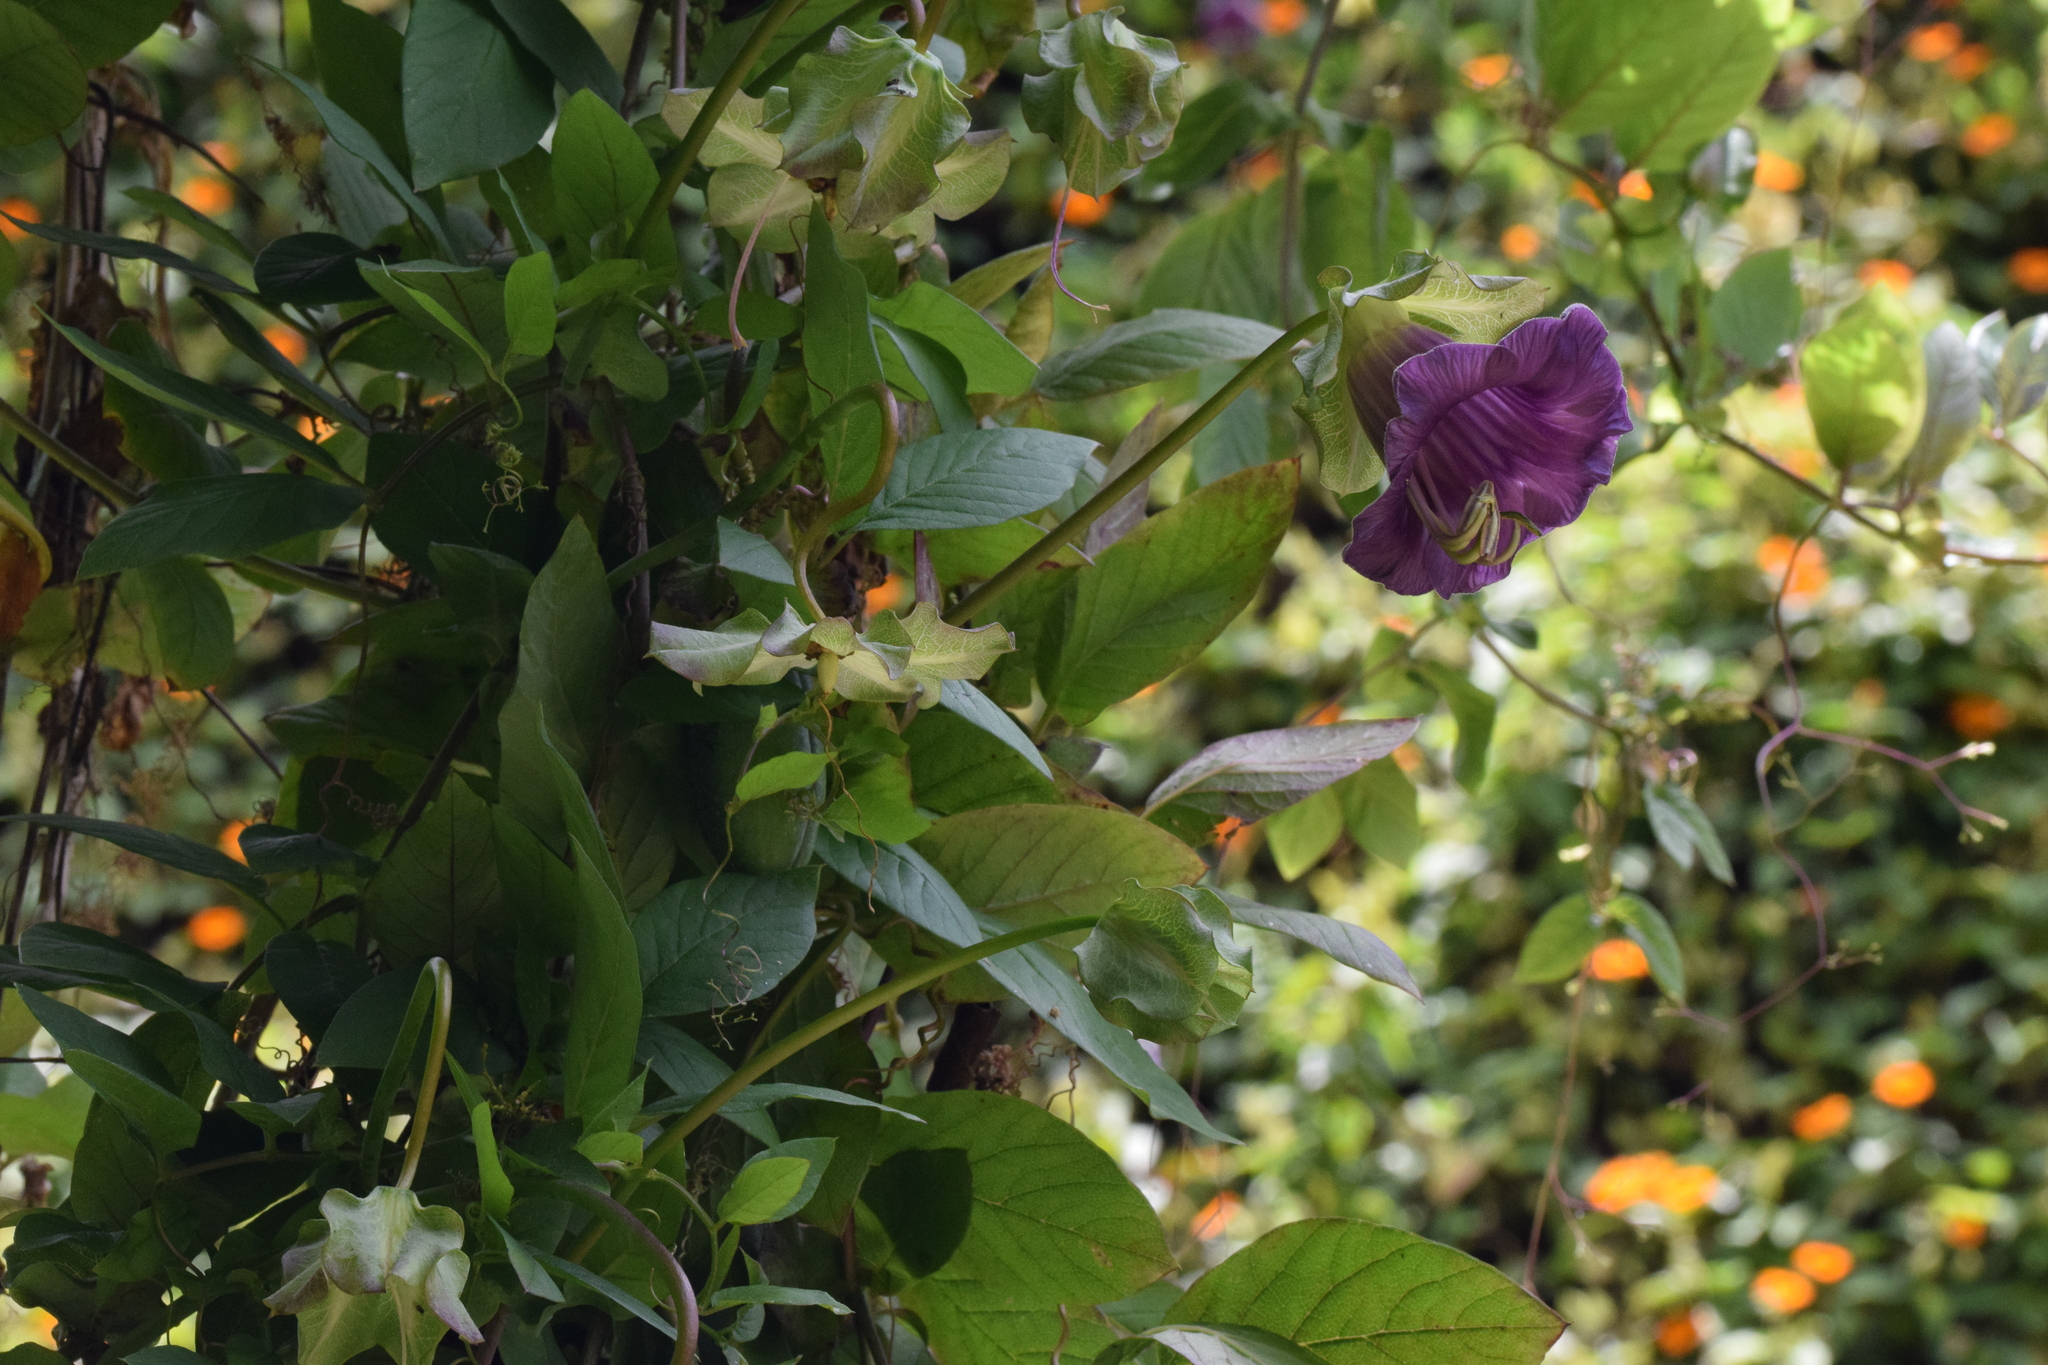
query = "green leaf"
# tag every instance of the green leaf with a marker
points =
(1682, 828)
(924, 1200)
(1299, 836)
(1558, 944)
(974, 706)
(1224, 260)
(1216, 126)
(2012, 364)
(1053, 1220)
(120, 1071)
(169, 849)
(530, 305)
(548, 30)
(42, 82)
(1379, 810)
(10, 268)
(1210, 1343)
(900, 878)
(733, 1295)
(101, 31)
(473, 97)
(1162, 962)
(986, 30)
(190, 617)
(200, 398)
(1358, 1294)
(1253, 775)
(385, 1243)
(1866, 382)
(1163, 343)
(747, 650)
(1661, 81)
(737, 138)
(45, 1124)
(1652, 933)
(243, 336)
(874, 801)
(604, 999)
(839, 357)
(170, 206)
(603, 177)
(1025, 864)
(877, 115)
(991, 280)
(1155, 599)
(898, 658)
(130, 249)
(776, 1182)
(1354, 947)
(991, 363)
(361, 59)
(976, 478)
(709, 944)
(435, 894)
(1109, 101)
(1354, 213)
(957, 766)
(1474, 711)
(1954, 408)
(220, 517)
(782, 773)
(1757, 309)
(312, 268)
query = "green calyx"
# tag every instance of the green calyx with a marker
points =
(1110, 101)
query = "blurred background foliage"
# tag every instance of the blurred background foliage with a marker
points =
(1858, 1172)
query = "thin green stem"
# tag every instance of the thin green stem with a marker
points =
(934, 15)
(1111, 493)
(820, 1028)
(430, 1076)
(685, 155)
(311, 579)
(773, 75)
(71, 461)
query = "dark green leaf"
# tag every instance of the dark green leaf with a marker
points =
(189, 615)
(1954, 408)
(312, 268)
(1652, 932)
(550, 32)
(604, 999)
(474, 98)
(1217, 124)
(1162, 343)
(122, 1073)
(360, 58)
(1354, 947)
(1757, 308)
(708, 944)
(357, 140)
(957, 766)
(1354, 213)
(169, 849)
(1023, 864)
(1358, 1294)
(221, 517)
(603, 177)
(101, 31)
(75, 948)
(923, 1198)
(1474, 711)
(1682, 828)
(1223, 260)
(1109, 101)
(273, 849)
(42, 82)
(1163, 963)
(438, 890)
(313, 977)
(973, 705)
(840, 356)
(990, 361)
(129, 249)
(242, 334)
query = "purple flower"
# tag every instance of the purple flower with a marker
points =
(1487, 448)
(1229, 25)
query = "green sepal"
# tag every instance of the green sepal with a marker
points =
(1109, 102)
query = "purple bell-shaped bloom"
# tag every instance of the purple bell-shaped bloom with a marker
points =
(1487, 447)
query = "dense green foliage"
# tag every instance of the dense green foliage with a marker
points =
(636, 717)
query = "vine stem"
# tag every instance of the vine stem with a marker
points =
(1562, 1131)
(626, 1221)
(1113, 492)
(71, 461)
(820, 1028)
(1290, 203)
(685, 155)
(430, 1076)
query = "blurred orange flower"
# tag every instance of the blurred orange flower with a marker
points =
(1804, 461)
(1583, 192)
(1634, 185)
(290, 343)
(17, 208)
(1483, 73)
(891, 592)
(217, 928)
(1824, 1118)
(1989, 133)
(1934, 42)
(1806, 562)
(1521, 242)
(2028, 269)
(1781, 1291)
(1214, 1216)
(1687, 1189)
(1964, 1233)
(1677, 1335)
(1903, 1085)
(1969, 63)
(1227, 826)
(1408, 758)
(207, 194)
(1623, 1182)
(1083, 210)
(1780, 173)
(1976, 716)
(230, 841)
(226, 153)
(1825, 1262)
(1896, 276)
(1278, 18)
(1618, 959)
